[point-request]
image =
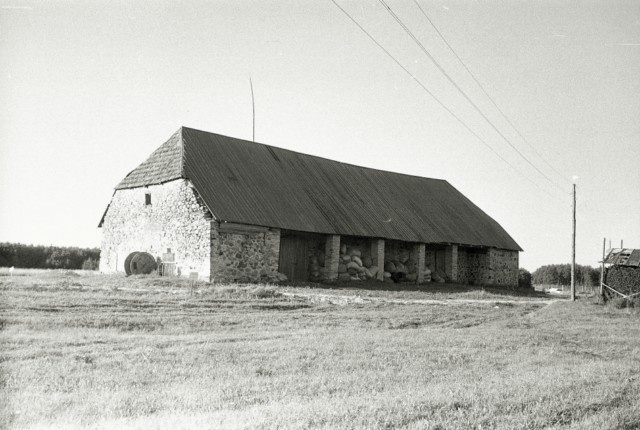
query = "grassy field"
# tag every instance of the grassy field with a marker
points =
(92, 351)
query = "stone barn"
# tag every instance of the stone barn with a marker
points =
(217, 208)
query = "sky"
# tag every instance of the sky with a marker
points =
(89, 89)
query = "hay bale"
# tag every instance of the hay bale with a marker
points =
(356, 260)
(401, 268)
(373, 270)
(390, 267)
(142, 263)
(355, 252)
(404, 255)
(353, 265)
(346, 259)
(127, 262)
(386, 275)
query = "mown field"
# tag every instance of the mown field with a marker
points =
(93, 351)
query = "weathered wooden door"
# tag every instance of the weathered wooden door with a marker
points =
(293, 258)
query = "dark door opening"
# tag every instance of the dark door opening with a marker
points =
(293, 258)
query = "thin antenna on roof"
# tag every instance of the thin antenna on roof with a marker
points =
(253, 107)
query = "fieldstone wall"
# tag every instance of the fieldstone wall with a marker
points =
(503, 267)
(244, 257)
(463, 267)
(473, 266)
(175, 219)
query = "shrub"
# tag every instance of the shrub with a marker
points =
(90, 264)
(524, 278)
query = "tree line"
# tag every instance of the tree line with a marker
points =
(48, 257)
(560, 274)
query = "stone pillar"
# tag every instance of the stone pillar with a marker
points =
(451, 262)
(419, 255)
(377, 256)
(331, 257)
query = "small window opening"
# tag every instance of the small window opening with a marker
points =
(147, 199)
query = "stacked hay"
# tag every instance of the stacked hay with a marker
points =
(316, 264)
(625, 279)
(355, 265)
(401, 269)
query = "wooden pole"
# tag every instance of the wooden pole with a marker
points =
(253, 109)
(604, 243)
(573, 249)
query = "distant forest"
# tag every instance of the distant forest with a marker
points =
(48, 257)
(560, 274)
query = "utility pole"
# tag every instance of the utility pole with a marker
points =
(604, 243)
(573, 249)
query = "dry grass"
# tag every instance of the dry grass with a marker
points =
(91, 351)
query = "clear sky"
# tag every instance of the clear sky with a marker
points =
(89, 89)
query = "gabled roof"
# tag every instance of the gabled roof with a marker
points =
(252, 183)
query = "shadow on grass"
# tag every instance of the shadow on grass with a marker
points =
(431, 287)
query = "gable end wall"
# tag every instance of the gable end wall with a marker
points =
(176, 219)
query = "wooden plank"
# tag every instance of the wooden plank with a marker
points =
(231, 227)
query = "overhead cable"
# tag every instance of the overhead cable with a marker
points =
(462, 92)
(456, 117)
(491, 99)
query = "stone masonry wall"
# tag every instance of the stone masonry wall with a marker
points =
(473, 266)
(503, 266)
(463, 267)
(245, 257)
(175, 219)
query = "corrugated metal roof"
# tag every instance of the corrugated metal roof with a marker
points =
(623, 257)
(252, 183)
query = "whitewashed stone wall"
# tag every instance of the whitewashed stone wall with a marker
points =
(175, 219)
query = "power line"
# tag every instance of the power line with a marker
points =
(461, 91)
(487, 94)
(439, 101)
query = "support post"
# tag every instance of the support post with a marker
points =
(377, 256)
(604, 243)
(419, 255)
(451, 262)
(331, 257)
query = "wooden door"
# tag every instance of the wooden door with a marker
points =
(293, 258)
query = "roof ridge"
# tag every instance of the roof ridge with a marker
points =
(315, 156)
